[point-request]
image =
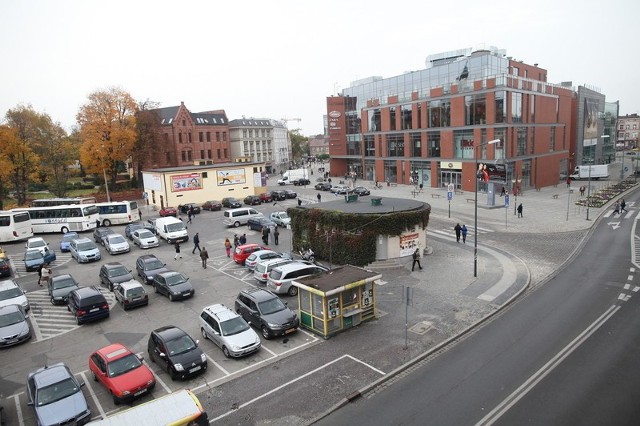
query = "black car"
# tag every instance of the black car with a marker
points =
(176, 352)
(100, 233)
(252, 200)
(231, 203)
(5, 268)
(113, 273)
(361, 190)
(278, 196)
(59, 288)
(213, 205)
(265, 310)
(128, 230)
(323, 186)
(290, 194)
(87, 304)
(173, 284)
(148, 266)
(184, 208)
(257, 223)
(301, 182)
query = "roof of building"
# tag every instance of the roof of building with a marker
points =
(208, 118)
(338, 277)
(204, 166)
(251, 122)
(364, 205)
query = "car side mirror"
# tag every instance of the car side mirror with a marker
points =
(197, 341)
(82, 384)
(140, 357)
(30, 403)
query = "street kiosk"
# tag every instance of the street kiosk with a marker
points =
(337, 300)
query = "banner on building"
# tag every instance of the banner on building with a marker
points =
(186, 182)
(231, 177)
(408, 244)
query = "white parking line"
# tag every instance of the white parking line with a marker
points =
(93, 394)
(217, 365)
(268, 350)
(18, 410)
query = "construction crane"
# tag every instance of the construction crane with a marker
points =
(286, 120)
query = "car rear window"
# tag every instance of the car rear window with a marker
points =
(92, 300)
(275, 274)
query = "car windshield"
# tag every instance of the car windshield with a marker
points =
(37, 243)
(33, 254)
(56, 392)
(11, 318)
(175, 279)
(68, 237)
(118, 239)
(89, 245)
(174, 227)
(136, 291)
(105, 231)
(145, 234)
(283, 216)
(271, 306)
(10, 293)
(233, 326)
(118, 271)
(153, 264)
(123, 365)
(181, 345)
(63, 283)
(134, 227)
(251, 257)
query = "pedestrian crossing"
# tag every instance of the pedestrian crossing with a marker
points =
(450, 232)
(50, 320)
(624, 214)
(18, 262)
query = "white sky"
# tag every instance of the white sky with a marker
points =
(281, 59)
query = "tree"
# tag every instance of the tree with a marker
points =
(107, 129)
(299, 145)
(18, 164)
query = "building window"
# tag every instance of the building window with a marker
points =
(244, 133)
(516, 107)
(395, 145)
(392, 118)
(189, 157)
(374, 120)
(406, 112)
(501, 107)
(184, 123)
(463, 140)
(245, 148)
(202, 154)
(369, 146)
(419, 116)
(532, 144)
(250, 133)
(209, 154)
(184, 156)
(225, 153)
(224, 136)
(516, 71)
(218, 153)
(433, 144)
(189, 134)
(179, 137)
(200, 137)
(475, 109)
(521, 141)
(208, 136)
(439, 113)
(552, 139)
(532, 108)
(499, 147)
(217, 136)
(416, 145)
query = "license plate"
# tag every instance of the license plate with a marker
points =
(291, 330)
(194, 369)
(94, 310)
(136, 298)
(140, 392)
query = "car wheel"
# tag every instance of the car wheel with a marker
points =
(106, 222)
(155, 288)
(95, 378)
(172, 373)
(116, 400)
(64, 229)
(204, 334)
(225, 351)
(150, 357)
(68, 308)
(293, 291)
(170, 297)
(52, 302)
(78, 321)
(265, 333)
(237, 224)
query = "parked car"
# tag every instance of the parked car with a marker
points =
(278, 195)
(323, 186)
(265, 311)
(128, 230)
(340, 189)
(33, 258)
(257, 223)
(116, 243)
(168, 211)
(265, 197)
(66, 241)
(37, 243)
(301, 182)
(56, 396)
(144, 238)
(148, 266)
(262, 269)
(231, 203)
(280, 278)
(260, 255)
(59, 288)
(174, 285)
(100, 234)
(87, 304)
(122, 372)
(213, 205)
(84, 250)
(12, 294)
(114, 273)
(5, 268)
(280, 219)
(176, 352)
(184, 208)
(229, 331)
(14, 327)
(241, 253)
(289, 194)
(130, 294)
(252, 200)
(361, 190)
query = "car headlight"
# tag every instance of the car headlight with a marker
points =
(125, 393)
(24, 331)
(203, 357)
(178, 367)
(271, 325)
(234, 347)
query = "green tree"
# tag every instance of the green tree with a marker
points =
(18, 162)
(299, 145)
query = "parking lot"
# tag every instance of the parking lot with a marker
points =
(56, 337)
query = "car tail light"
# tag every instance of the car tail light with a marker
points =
(104, 306)
(81, 312)
(277, 283)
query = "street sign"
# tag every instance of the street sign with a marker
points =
(506, 200)
(449, 195)
(450, 187)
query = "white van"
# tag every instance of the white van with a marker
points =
(171, 229)
(237, 217)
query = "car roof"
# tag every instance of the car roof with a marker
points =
(8, 284)
(83, 240)
(248, 245)
(88, 291)
(293, 267)
(146, 257)
(112, 265)
(61, 277)
(261, 252)
(114, 351)
(169, 273)
(7, 309)
(259, 294)
(128, 285)
(220, 311)
(51, 374)
(169, 332)
(35, 239)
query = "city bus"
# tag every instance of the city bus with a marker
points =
(47, 202)
(15, 226)
(118, 212)
(181, 408)
(75, 217)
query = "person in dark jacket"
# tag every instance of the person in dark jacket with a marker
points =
(196, 244)
(458, 229)
(416, 260)
(177, 246)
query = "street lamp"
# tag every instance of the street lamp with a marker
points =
(475, 220)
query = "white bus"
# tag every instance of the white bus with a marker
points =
(15, 226)
(118, 212)
(47, 202)
(76, 217)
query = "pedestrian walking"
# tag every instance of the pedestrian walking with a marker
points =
(464, 234)
(623, 205)
(44, 275)
(503, 192)
(276, 234)
(520, 210)
(616, 208)
(236, 240)
(458, 229)
(243, 239)
(227, 246)
(265, 234)
(196, 244)
(204, 256)
(582, 189)
(319, 197)
(177, 246)
(189, 215)
(416, 259)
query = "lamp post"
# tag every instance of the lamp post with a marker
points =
(475, 220)
(514, 191)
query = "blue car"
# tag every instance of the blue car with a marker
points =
(33, 258)
(66, 241)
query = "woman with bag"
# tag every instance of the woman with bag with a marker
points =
(227, 246)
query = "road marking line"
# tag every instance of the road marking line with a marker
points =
(630, 278)
(635, 289)
(19, 410)
(217, 365)
(627, 286)
(624, 297)
(382, 373)
(93, 395)
(268, 350)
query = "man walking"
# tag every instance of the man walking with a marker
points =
(204, 256)
(276, 234)
(265, 234)
(458, 229)
(520, 210)
(196, 244)
(189, 214)
(464, 234)
(623, 205)
(319, 197)
(416, 259)
(243, 239)
(177, 246)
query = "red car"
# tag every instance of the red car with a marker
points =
(122, 372)
(242, 252)
(168, 211)
(265, 197)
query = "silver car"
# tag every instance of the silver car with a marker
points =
(130, 294)
(144, 238)
(116, 243)
(14, 328)
(262, 269)
(229, 331)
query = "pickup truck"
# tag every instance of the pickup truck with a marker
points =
(170, 229)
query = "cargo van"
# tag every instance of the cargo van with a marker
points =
(171, 229)
(237, 217)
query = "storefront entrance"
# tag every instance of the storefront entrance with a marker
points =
(450, 176)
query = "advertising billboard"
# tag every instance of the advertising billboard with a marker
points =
(492, 173)
(186, 182)
(230, 177)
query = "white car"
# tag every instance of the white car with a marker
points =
(280, 219)
(37, 243)
(144, 238)
(12, 294)
(116, 243)
(340, 189)
(229, 331)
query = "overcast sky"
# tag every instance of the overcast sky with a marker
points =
(281, 59)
